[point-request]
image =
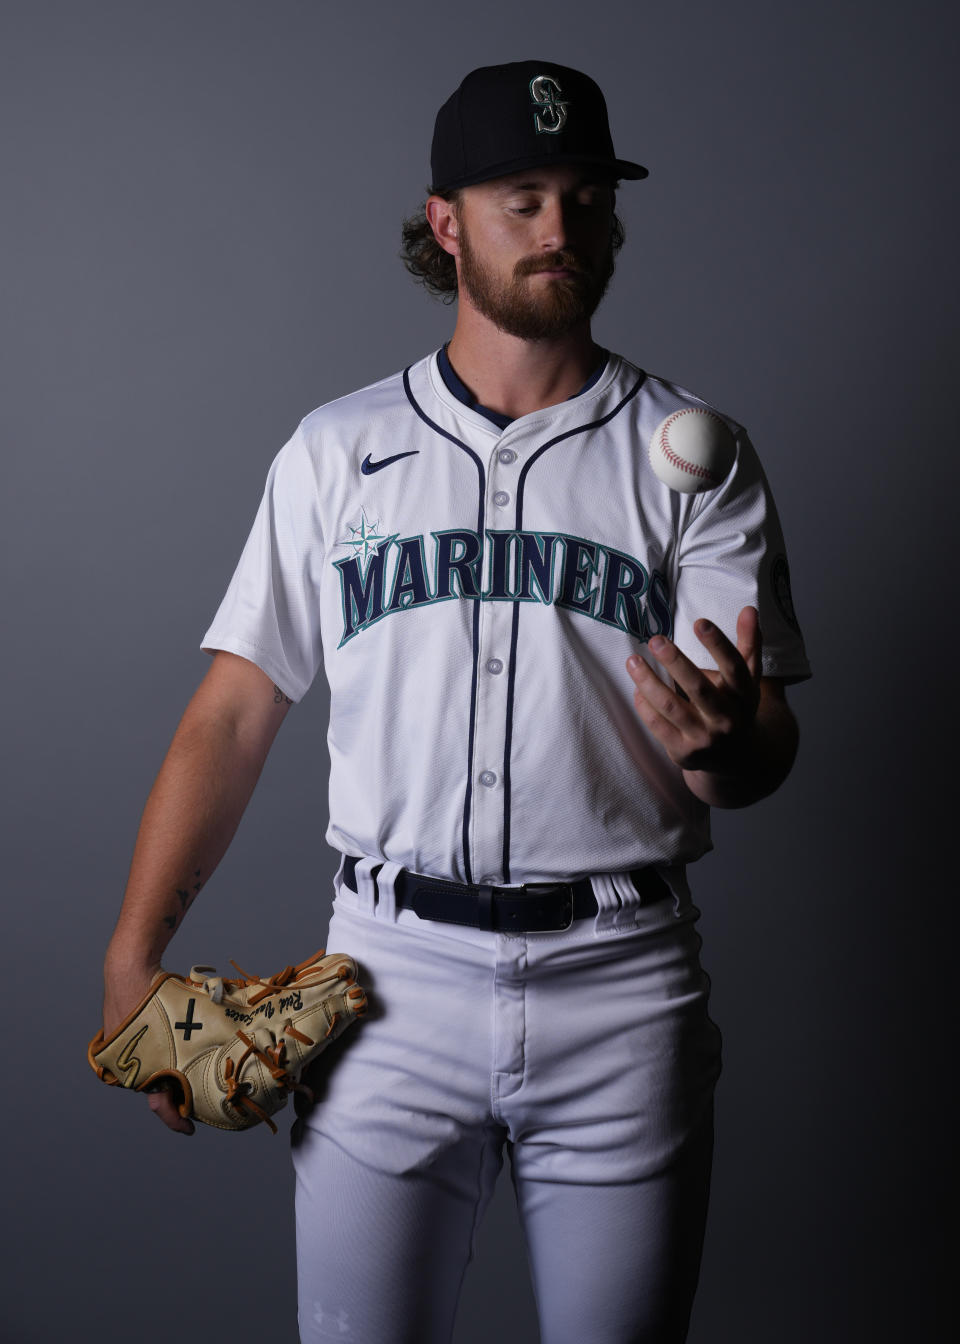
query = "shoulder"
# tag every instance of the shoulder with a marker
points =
(357, 411)
(659, 397)
(331, 441)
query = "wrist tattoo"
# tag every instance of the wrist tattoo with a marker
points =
(185, 895)
(279, 698)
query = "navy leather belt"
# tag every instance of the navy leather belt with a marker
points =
(535, 907)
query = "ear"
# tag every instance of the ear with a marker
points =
(442, 218)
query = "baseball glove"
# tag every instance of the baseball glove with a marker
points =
(233, 1049)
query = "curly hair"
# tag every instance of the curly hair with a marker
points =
(423, 256)
(436, 269)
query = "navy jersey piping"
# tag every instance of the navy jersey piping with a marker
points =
(515, 632)
(468, 796)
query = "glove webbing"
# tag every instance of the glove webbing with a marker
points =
(273, 1060)
(281, 980)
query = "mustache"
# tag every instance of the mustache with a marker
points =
(551, 261)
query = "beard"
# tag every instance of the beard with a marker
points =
(535, 310)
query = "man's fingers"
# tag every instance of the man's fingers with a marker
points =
(733, 663)
(683, 731)
(691, 680)
(701, 717)
(667, 734)
(750, 640)
(163, 1106)
(663, 700)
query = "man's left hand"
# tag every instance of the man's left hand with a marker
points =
(705, 721)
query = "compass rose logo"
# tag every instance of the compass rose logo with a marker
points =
(364, 538)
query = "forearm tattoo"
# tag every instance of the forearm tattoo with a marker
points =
(185, 895)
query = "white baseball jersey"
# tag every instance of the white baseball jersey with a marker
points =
(473, 595)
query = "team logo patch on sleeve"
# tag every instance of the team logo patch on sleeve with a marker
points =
(780, 583)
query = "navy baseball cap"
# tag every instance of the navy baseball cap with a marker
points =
(505, 118)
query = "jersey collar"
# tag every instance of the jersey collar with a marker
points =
(459, 389)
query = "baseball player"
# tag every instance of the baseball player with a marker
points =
(545, 667)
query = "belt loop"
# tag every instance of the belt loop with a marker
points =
(338, 881)
(386, 895)
(608, 904)
(630, 900)
(675, 876)
(366, 888)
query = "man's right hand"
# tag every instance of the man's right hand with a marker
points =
(123, 991)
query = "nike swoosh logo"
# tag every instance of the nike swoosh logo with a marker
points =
(368, 466)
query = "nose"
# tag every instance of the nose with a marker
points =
(554, 223)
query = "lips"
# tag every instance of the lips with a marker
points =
(558, 267)
(557, 270)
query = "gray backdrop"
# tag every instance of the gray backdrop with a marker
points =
(201, 206)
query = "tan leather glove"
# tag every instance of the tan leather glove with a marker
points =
(233, 1049)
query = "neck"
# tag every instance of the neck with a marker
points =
(515, 376)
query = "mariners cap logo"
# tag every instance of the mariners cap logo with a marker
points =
(506, 119)
(552, 116)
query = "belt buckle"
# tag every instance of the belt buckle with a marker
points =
(566, 909)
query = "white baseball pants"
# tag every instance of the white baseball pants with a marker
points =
(588, 1052)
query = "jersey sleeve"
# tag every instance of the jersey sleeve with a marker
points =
(270, 613)
(732, 555)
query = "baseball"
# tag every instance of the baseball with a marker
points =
(692, 450)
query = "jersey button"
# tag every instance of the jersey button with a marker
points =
(501, 498)
(506, 456)
(494, 665)
(488, 778)
(491, 879)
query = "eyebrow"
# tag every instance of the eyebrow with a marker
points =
(504, 188)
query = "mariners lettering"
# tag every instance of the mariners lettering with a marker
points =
(604, 584)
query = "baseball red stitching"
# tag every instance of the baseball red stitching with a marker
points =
(674, 458)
